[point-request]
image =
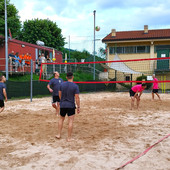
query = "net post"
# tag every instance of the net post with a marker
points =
(31, 85)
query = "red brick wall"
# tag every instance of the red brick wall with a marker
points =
(12, 46)
(28, 48)
(2, 58)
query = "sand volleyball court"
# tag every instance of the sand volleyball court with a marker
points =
(107, 134)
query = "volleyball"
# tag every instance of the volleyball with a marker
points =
(97, 28)
(54, 59)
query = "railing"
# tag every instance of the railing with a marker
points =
(17, 67)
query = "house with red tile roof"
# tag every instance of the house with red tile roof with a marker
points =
(139, 44)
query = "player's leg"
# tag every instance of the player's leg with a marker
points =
(55, 99)
(158, 96)
(132, 93)
(71, 115)
(137, 101)
(132, 102)
(152, 95)
(58, 108)
(70, 127)
(61, 121)
(1, 105)
(1, 109)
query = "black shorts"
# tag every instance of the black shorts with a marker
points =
(1, 103)
(68, 111)
(132, 93)
(55, 99)
(155, 90)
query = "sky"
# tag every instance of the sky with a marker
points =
(76, 19)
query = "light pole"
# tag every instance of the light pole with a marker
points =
(94, 12)
(6, 43)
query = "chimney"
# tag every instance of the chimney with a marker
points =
(113, 32)
(145, 29)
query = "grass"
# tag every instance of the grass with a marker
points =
(26, 77)
(78, 76)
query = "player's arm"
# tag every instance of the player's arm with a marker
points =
(77, 98)
(140, 93)
(48, 87)
(59, 93)
(136, 94)
(5, 94)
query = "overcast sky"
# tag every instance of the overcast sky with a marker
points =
(76, 19)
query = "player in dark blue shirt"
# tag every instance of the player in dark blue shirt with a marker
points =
(2, 93)
(54, 87)
(69, 95)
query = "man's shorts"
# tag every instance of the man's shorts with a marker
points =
(155, 90)
(132, 93)
(1, 103)
(55, 99)
(68, 111)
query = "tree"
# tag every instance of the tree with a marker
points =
(13, 20)
(43, 30)
(80, 55)
(102, 52)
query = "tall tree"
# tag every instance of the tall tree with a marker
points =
(13, 20)
(43, 30)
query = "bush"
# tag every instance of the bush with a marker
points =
(140, 78)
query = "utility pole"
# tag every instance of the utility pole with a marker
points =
(6, 43)
(94, 12)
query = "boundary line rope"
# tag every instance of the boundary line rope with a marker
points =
(143, 153)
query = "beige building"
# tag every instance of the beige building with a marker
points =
(143, 44)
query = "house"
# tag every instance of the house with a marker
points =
(142, 44)
(24, 48)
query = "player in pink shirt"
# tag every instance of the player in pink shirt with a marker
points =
(134, 91)
(155, 87)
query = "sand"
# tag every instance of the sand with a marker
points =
(107, 134)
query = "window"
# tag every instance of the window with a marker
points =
(120, 50)
(127, 78)
(162, 47)
(111, 50)
(140, 49)
(131, 49)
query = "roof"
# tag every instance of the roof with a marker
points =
(29, 44)
(138, 35)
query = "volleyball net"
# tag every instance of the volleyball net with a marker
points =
(116, 71)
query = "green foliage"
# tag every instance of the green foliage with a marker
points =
(128, 86)
(43, 30)
(26, 77)
(78, 76)
(13, 20)
(81, 76)
(143, 77)
(79, 55)
(102, 52)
